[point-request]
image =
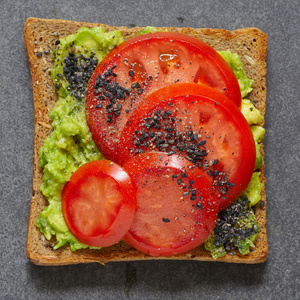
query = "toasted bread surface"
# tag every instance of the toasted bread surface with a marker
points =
(40, 35)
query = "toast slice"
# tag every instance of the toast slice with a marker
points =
(40, 36)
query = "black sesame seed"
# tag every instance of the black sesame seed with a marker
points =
(262, 204)
(216, 161)
(216, 172)
(166, 220)
(39, 54)
(57, 42)
(131, 73)
(183, 175)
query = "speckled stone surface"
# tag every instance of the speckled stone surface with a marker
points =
(278, 278)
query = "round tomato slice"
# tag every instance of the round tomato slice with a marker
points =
(176, 209)
(142, 65)
(98, 203)
(201, 124)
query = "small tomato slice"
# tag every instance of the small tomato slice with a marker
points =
(201, 124)
(98, 203)
(142, 65)
(176, 209)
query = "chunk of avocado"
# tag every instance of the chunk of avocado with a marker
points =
(253, 190)
(251, 114)
(258, 135)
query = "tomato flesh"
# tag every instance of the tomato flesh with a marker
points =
(199, 123)
(98, 203)
(176, 210)
(142, 65)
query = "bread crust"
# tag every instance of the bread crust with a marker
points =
(40, 35)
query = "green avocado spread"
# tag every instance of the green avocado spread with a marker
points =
(70, 144)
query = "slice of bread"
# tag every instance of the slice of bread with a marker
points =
(40, 36)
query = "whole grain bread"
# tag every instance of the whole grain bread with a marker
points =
(40, 36)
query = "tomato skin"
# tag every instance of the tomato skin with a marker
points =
(168, 222)
(235, 151)
(99, 187)
(152, 62)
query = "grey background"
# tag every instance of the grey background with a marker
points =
(278, 278)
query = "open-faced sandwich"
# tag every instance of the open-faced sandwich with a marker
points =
(148, 143)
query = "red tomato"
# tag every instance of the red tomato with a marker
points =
(199, 123)
(142, 65)
(98, 203)
(176, 210)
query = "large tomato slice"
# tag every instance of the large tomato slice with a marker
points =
(201, 124)
(142, 65)
(98, 203)
(176, 210)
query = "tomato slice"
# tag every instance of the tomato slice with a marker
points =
(142, 65)
(98, 203)
(176, 210)
(201, 124)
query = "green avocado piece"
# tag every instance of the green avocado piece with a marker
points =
(237, 66)
(251, 114)
(253, 190)
(86, 41)
(148, 29)
(216, 251)
(258, 135)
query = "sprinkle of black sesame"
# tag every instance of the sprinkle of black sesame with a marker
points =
(225, 232)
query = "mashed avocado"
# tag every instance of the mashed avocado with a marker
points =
(236, 65)
(70, 144)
